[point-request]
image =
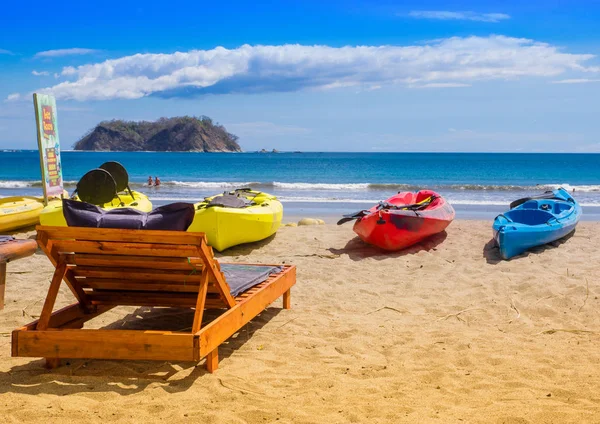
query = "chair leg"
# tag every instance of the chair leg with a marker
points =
(46, 313)
(2, 283)
(287, 304)
(52, 363)
(212, 360)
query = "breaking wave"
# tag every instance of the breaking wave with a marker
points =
(377, 186)
(331, 186)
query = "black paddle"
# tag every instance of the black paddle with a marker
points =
(352, 216)
(413, 207)
(546, 195)
(383, 205)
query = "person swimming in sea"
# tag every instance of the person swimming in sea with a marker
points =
(149, 181)
(156, 182)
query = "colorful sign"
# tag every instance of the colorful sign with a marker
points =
(48, 145)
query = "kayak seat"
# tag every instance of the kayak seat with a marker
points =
(227, 201)
(529, 217)
(561, 207)
(531, 204)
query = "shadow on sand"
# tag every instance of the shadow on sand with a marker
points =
(244, 249)
(127, 377)
(491, 252)
(357, 249)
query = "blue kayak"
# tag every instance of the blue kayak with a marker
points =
(535, 221)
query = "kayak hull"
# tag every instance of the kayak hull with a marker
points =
(226, 227)
(52, 214)
(536, 222)
(394, 229)
(19, 212)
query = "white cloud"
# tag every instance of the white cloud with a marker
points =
(442, 85)
(575, 81)
(64, 52)
(251, 69)
(458, 16)
(40, 74)
(13, 97)
(3, 51)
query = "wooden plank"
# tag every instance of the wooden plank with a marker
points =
(105, 344)
(17, 249)
(137, 298)
(53, 249)
(219, 330)
(132, 274)
(66, 315)
(287, 300)
(149, 285)
(215, 275)
(136, 261)
(116, 248)
(46, 245)
(200, 302)
(42, 239)
(122, 235)
(57, 278)
(142, 298)
(71, 282)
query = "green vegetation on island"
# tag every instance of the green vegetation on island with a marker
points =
(178, 134)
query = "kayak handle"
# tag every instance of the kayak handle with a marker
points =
(553, 218)
(505, 217)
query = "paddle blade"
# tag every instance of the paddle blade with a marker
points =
(352, 217)
(545, 195)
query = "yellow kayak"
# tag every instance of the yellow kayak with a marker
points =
(19, 211)
(53, 213)
(256, 216)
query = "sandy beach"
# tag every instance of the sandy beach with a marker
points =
(442, 332)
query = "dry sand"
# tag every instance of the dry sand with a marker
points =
(443, 332)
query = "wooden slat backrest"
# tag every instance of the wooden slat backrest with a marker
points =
(123, 235)
(140, 265)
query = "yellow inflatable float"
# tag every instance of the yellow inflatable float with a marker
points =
(236, 217)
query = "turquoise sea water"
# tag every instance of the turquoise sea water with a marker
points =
(331, 183)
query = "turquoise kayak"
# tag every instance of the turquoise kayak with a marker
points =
(535, 221)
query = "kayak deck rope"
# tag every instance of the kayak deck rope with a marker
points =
(414, 207)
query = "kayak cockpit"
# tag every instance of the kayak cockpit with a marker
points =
(528, 217)
(537, 212)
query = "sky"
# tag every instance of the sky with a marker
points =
(351, 75)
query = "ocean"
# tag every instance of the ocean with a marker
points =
(478, 185)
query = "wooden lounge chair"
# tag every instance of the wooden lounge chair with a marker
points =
(105, 268)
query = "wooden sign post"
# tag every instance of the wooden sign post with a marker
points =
(48, 145)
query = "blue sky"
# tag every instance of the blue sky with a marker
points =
(307, 75)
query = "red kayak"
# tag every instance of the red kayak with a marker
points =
(403, 219)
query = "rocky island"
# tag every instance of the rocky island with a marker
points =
(179, 134)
